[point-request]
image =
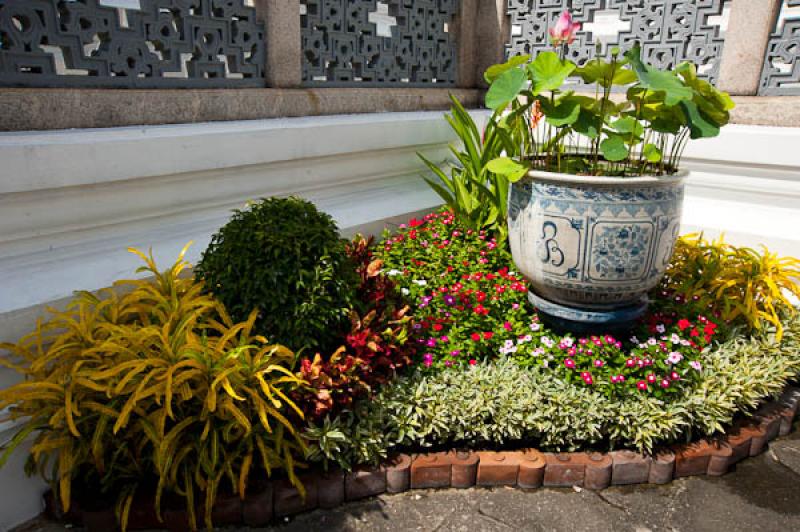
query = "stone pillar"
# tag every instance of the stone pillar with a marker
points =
(746, 39)
(284, 41)
(493, 32)
(465, 31)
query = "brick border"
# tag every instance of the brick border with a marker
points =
(528, 468)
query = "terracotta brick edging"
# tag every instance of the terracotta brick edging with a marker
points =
(527, 468)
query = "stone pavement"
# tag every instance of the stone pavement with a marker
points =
(762, 494)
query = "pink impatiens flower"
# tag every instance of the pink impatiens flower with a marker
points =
(565, 30)
(674, 357)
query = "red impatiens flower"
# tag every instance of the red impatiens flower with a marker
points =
(684, 324)
(437, 327)
(488, 335)
(476, 337)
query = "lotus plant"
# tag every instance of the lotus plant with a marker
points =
(588, 132)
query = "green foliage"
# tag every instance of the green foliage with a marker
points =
(286, 259)
(644, 134)
(742, 285)
(502, 404)
(475, 190)
(158, 385)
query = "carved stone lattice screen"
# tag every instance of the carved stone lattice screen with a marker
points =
(372, 43)
(781, 74)
(130, 43)
(670, 31)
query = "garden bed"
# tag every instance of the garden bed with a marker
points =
(230, 399)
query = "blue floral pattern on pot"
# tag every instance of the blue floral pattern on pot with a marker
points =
(594, 245)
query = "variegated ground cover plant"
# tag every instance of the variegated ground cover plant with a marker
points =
(502, 405)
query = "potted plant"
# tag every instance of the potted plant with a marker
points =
(595, 203)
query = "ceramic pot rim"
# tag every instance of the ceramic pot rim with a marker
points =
(572, 179)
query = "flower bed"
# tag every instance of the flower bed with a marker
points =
(440, 350)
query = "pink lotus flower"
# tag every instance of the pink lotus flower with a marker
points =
(564, 31)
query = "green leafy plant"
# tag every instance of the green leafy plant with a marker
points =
(643, 133)
(477, 188)
(286, 259)
(152, 386)
(742, 285)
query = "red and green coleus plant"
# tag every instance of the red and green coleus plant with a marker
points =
(643, 129)
(377, 346)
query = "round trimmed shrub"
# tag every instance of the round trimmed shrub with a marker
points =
(287, 259)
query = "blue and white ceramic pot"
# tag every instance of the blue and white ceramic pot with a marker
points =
(593, 247)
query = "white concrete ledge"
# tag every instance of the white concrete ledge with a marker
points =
(71, 202)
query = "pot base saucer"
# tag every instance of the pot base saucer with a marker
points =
(586, 321)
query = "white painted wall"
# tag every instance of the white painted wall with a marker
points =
(746, 184)
(71, 202)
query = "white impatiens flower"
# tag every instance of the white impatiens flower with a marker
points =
(420, 282)
(675, 339)
(660, 328)
(535, 326)
(696, 365)
(652, 341)
(405, 291)
(547, 341)
(393, 272)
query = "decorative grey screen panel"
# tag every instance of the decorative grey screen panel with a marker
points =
(781, 74)
(378, 43)
(670, 31)
(130, 43)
